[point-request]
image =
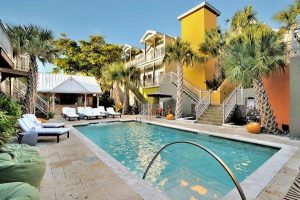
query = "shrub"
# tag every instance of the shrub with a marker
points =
(50, 115)
(10, 111)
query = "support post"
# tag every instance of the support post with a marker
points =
(85, 100)
(53, 103)
(223, 113)
(97, 100)
(10, 87)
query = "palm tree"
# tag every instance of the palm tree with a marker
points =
(248, 61)
(182, 54)
(36, 42)
(289, 16)
(128, 76)
(243, 18)
(111, 76)
(213, 45)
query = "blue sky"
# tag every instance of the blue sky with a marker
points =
(121, 22)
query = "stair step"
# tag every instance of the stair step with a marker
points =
(210, 123)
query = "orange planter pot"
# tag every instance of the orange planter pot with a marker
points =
(254, 128)
(170, 117)
(42, 120)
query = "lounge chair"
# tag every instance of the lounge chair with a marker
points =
(102, 110)
(88, 113)
(35, 120)
(97, 111)
(71, 114)
(64, 111)
(80, 110)
(112, 112)
(28, 126)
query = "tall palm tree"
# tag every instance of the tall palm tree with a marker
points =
(36, 42)
(111, 76)
(128, 76)
(182, 54)
(247, 61)
(213, 45)
(243, 18)
(289, 16)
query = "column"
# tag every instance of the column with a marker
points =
(10, 87)
(84, 100)
(97, 100)
(53, 103)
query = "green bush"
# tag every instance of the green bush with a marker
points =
(10, 111)
(50, 115)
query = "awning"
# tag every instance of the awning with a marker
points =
(160, 95)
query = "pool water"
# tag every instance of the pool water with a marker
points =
(182, 171)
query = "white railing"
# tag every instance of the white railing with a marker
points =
(188, 88)
(140, 59)
(203, 103)
(235, 98)
(19, 92)
(5, 42)
(22, 63)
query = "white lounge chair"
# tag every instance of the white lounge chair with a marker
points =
(97, 111)
(71, 114)
(88, 113)
(102, 110)
(28, 126)
(64, 111)
(35, 120)
(80, 110)
(112, 112)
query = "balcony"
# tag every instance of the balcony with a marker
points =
(22, 63)
(151, 56)
(6, 49)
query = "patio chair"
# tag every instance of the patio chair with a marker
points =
(88, 113)
(28, 126)
(64, 111)
(80, 110)
(102, 110)
(112, 112)
(71, 114)
(35, 120)
(97, 111)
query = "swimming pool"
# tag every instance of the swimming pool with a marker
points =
(181, 171)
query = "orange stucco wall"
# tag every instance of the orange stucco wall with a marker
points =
(278, 89)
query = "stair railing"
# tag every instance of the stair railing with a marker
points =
(230, 103)
(145, 111)
(188, 88)
(217, 158)
(203, 103)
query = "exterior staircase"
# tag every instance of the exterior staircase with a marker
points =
(19, 92)
(212, 115)
(137, 94)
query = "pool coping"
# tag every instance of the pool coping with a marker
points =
(252, 186)
(141, 187)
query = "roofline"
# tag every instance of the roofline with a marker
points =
(204, 4)
(153, 32)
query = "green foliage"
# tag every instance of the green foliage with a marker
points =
(181, 52)
(111, 74)
(214, 83)
(85, 57)
(50, 115)
(253, 58)
(105, 100)
(10, 111)
(289, 17)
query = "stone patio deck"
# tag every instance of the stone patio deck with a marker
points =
(75, 172)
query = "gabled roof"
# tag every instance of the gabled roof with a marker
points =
(70, 84)
(204, 4)
(150, 33)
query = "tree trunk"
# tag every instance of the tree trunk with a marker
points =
(218, 70)
(116, 94)
(29, 101)
(179, 97)
(268, 120)
(125, 109)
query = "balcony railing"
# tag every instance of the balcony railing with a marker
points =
(5, 42)
(22, 63)
(140, 59)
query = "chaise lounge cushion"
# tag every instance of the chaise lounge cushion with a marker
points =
(21, 163)
(18, 191)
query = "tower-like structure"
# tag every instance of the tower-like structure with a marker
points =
(194, 23)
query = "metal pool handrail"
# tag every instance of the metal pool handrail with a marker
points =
(217, 158)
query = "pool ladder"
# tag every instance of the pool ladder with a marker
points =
(217, 158)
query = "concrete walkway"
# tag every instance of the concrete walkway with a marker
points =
(75, 172)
